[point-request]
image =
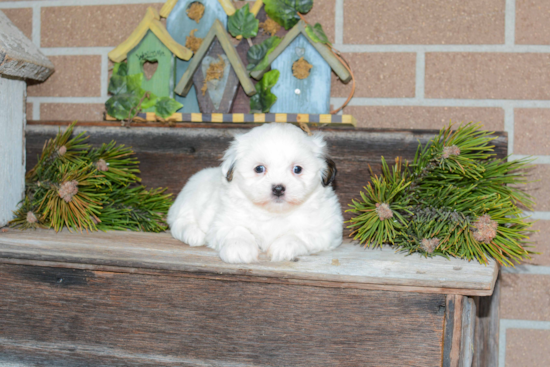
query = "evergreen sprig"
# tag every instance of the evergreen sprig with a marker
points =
(454, 199)
(77, 186)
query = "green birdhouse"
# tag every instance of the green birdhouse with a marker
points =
(152, 51)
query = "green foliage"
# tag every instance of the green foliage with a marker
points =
(317, 34)
(76, 186)
(258, 55)
(243, 23)
(262, 101)
(454, 199)
(129, 98)
(166, 106)
(285, 12)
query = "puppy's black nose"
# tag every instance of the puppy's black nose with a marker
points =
(278, 190)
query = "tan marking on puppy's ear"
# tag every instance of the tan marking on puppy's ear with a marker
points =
(229, 175)
(330, 173)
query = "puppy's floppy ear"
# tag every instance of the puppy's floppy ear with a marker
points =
(229, 160)
(330, 172)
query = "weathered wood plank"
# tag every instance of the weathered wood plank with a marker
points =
(468, 328)
(113, 319)
(487, 329)
(19, 57)
(347, 265)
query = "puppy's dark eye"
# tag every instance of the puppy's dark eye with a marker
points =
(259, 169)
(297, 170)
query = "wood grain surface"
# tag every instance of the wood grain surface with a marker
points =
(66, 317)
(347, 266)
(169, 156)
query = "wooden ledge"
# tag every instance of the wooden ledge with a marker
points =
(349, 266)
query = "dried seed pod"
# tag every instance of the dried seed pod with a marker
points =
(486, 229)
(62, 150)
(31, 218)
(101, 165)
(383, 210)
(67, 190)
(429, 245)
(450, 151)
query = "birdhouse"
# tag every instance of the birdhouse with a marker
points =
(20, 60)
(188, 22)
(305, 68)
(216, 71)
(150, 43)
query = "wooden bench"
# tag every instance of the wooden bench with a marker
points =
(141, 299)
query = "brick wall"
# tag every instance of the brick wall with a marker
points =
(418, 64)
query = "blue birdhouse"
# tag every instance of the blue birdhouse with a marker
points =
(185, 18)
(305, 67)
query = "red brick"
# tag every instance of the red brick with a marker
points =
(541, 243)
(527, 347)
(424, 117)
(540, 187)
(532, 27)
(90, 26)
(487, 75)
(384, 75)
(532, 131)
(71, 112)
(21, 18)
(75, 76)
(29, 111)
(424, 22)
(525, 297)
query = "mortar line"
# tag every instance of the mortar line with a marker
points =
(509, 126)
(510, 23)
(538, 215)
(445, 102)
(501, 48)
(36, 25)
(537, 159)
(59, 3)
(339, 22)
(35, 109)
(104, 75)
(420, 74)
(527, 269)
(83, 100)
(69, 51)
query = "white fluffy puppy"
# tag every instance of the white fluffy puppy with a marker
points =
(272, 193)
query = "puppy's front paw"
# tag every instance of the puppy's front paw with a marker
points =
(287, 248)
(191, 234)
(239, 251)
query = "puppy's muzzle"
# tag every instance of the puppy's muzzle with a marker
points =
(278, 190)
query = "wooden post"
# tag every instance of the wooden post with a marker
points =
(20, 59)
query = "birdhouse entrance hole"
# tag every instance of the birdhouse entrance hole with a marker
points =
(195, 11)
(301, 68)
(149, 68)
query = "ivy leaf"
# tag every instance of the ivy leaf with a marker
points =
(317, 34)
(167, 106)
(149, 101)
(243, 23)
(262, 101)
(285, 12)
(119, 105)
(120, 69)
(126, 84)
(257, 55)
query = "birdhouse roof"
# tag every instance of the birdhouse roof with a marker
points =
(300, 28)
(19, 57)
(151, 21)
(227, 6)
(217, 30)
